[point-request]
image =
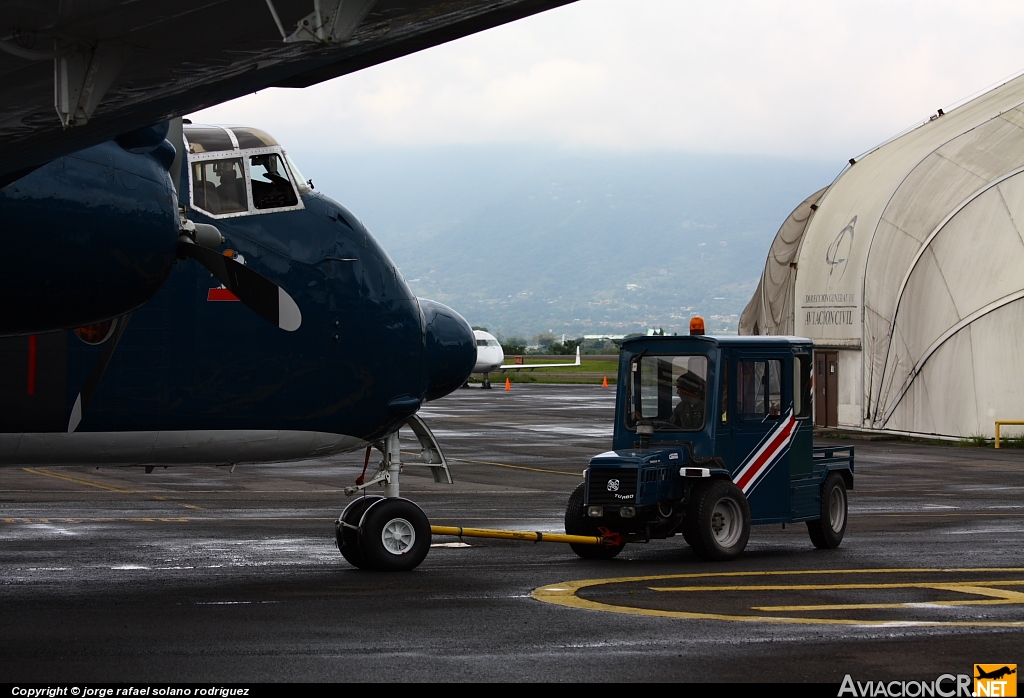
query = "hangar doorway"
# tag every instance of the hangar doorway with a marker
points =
(826, 381)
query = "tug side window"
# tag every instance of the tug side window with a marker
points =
(723, 401)
(802, 386)
(759, 389)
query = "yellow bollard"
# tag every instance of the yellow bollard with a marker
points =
(1001, 422)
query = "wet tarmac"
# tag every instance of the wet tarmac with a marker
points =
(199, 574)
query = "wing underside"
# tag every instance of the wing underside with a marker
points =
(76, 74)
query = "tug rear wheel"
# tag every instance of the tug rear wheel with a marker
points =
(578, 524)
(394, 535)
(348, 538)
(828, 531)
(717, 521)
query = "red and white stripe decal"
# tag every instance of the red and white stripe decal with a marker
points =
(766, 454)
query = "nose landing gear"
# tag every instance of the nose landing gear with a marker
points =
(390, 533)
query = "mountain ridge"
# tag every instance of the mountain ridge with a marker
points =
(526, 240)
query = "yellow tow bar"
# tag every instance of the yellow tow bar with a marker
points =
(531, 536)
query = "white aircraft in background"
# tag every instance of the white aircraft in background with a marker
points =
(490, 357)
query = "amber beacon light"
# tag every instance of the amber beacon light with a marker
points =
(696, 325)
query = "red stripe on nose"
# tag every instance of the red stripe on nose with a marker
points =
(220, 294)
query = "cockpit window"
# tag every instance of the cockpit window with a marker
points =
(668, 391)
(271, 187)
(301, 183)
(218, 186)
(203, 139)
(240, 170)
(249, 137)
(487, 343)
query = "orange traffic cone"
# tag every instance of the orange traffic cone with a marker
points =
(508, 384)
(605, 384)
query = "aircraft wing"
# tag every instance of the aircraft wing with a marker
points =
(519, 367)
(74, 74)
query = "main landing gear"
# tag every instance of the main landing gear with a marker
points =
(390, 533)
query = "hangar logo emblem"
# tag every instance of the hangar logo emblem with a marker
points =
(613, 485)
(839, 251)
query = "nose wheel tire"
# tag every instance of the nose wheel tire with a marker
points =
(718, 521)
(577, 524)
(347, 537)
(828, 531)
(394, 535)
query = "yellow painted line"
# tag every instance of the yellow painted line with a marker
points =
(110, 488)
(863, 607)
(825, 587)
(517, 467)
(502, 465)
(567, 594)
(788, 573)
(77, 480)
(998, 597)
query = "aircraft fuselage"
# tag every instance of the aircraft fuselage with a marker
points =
(197, 369)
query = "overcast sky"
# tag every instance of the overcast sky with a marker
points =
(822, 80)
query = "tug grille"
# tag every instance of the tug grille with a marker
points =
(602, 494)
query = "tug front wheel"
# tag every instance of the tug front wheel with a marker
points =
(578, 524)
(828, 531)
(717, 521)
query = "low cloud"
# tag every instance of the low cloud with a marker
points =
(792, 79)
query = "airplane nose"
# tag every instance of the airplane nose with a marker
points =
(450, 353)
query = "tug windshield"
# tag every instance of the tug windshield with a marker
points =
(668, 391)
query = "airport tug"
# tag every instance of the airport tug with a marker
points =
(712, 435)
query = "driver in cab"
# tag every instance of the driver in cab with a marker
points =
(689, 413)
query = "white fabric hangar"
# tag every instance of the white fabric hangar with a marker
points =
(908, 274)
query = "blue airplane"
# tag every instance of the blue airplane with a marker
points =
(296, 336)
(78, 75)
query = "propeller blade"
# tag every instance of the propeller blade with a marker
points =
(93, 380)
(267, 299)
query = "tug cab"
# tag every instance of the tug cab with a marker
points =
(712, 435)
